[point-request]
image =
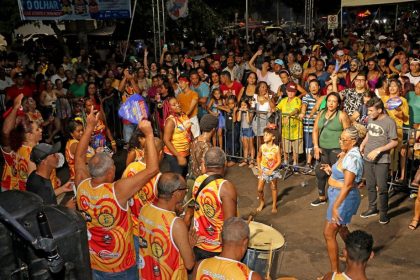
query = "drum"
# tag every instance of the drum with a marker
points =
(262, 237)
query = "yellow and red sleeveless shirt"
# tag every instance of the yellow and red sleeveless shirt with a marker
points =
(146, 195)
(222, 268)
(70, 157)
(181, 136)
(110, 234)
(159, 256)
(208, 214)
(268, 159)
(16, 169)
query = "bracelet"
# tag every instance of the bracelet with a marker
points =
(113, 142)
(316, 147)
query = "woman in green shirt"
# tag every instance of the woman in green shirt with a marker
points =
(329, 124)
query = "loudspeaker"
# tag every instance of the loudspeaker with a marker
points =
(19, 259)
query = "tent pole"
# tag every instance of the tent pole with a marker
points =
(341, 19)
(396, 18)
(129, 31)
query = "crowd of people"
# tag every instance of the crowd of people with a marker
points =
(350, 107)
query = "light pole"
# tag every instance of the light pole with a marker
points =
(246, 21)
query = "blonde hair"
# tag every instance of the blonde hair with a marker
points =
(356, 132)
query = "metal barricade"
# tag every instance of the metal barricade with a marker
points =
(411, 148)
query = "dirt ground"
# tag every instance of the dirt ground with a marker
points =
(305, 257)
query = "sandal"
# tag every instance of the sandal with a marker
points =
(251, 164)
(414, 224)
(243, 163)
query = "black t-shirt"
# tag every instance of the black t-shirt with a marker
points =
(42, 187)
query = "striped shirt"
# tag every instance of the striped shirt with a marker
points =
(308, 123)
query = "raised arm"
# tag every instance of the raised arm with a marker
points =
(80, 167)
(127, 187)
(10, 121)
(251, 62)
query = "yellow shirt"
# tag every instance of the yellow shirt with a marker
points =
(70, 157)
(146, 195)
(16, 169)
(268, 159)
(292, 128)
(223, 268)
(185, 100)
(392, 113)
(159, 256)
(208, 214)
(181, 136)
(110, 232)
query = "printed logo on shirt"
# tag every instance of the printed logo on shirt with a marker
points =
(106, 219)
(375, 130)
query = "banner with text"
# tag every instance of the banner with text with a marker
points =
(74, 9)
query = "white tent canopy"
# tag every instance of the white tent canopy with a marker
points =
(352, 3)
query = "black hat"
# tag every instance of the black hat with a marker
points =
(41, 151)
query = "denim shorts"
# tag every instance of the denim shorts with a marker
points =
(131, 273)
(247, 132)
(307, 136)
(348, 207)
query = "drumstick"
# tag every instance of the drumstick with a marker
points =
(188, 202)
(251, 216)
(270, 255)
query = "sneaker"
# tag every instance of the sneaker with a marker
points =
(383, 219)
(369, 213)
(318, 202)
(295, 169)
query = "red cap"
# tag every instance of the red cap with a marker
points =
(183, 79)
(291, 86)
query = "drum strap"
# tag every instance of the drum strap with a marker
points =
(207, 181)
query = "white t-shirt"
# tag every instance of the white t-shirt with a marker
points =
(7, 82)
(55, 77)
(413, 79)
(274, 81)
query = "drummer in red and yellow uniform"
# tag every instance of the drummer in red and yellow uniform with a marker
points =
(215, 203)
(146, 195)
(75, 129)
(104, 203)
(165, 243)
(20, 135)
(177, 137)
(235, 237)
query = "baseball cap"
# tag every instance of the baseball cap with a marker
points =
(302, 41)
(291, 86)
(183, 79)
(414, 60)
(43, 150)
(340, 53)
(315, 47)
(382, 37)
(279, 62)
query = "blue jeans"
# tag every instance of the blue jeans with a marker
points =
(130, 274)
(128, 130)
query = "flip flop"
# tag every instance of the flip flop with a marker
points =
(414, 224)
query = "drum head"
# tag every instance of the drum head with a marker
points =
(262, 235)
